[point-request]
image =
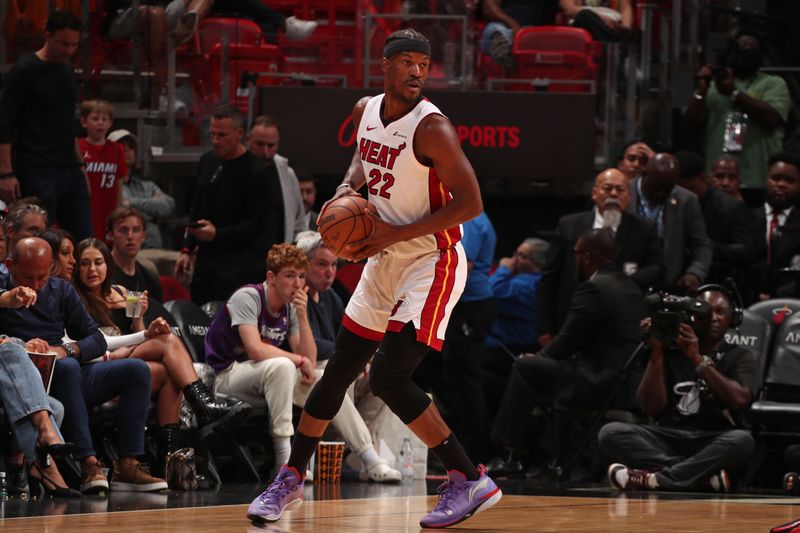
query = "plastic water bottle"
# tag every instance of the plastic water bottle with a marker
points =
(407, 460)
(3, 486)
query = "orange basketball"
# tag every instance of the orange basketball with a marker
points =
(343, 221)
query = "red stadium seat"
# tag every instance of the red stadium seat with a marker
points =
(172, 289)
(349, 275)
(557, 55)
(240, 31)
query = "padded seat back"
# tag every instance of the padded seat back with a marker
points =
(193, 325)
(783, 373)
(777, 310)
(755, 334)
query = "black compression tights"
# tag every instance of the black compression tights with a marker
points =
(398, 355)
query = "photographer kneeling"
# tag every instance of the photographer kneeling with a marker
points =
(696, 387)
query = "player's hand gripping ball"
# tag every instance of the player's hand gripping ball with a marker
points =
(343, 222)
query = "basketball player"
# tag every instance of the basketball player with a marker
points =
(421, 188)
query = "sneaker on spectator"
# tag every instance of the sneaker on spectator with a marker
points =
(460, 499)
(500, 50)
(621, 477)
(135, 477)
(297, 29)
(720, 482)
(284, 493)
(93, 480)
(380, 472)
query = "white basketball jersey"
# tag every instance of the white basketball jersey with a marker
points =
(401, 188)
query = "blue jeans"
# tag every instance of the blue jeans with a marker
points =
(489, 30)
(81, 387)
(65, 194)
(22, 394)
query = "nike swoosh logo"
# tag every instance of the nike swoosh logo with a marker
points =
(372, 128)
(482, 484)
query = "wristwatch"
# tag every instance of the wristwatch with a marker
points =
(70, 349)
(703, 364)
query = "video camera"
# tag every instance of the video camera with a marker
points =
(668, 311)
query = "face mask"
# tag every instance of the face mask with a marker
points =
(745, 62)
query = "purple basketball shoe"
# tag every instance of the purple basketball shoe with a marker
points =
(285, 492)
(459, 499)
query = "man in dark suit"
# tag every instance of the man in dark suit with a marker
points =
(778, 229)
(676, 212)
(579, 366)
(729, 222)
(638, 250)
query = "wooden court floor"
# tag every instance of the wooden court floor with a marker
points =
(537, 514)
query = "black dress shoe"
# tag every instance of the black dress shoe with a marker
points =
(499, 467)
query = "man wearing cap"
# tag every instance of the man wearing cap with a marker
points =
(153, 203)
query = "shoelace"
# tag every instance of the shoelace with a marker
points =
(637, 478)
(279, 488)
(448, 491)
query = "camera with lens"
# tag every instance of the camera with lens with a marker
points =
(668, 311)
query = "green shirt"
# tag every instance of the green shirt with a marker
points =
(760, 142)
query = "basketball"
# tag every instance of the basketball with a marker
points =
(343, 221)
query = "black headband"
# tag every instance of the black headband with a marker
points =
(397, 46)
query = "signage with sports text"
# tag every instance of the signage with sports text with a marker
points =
(526, 136)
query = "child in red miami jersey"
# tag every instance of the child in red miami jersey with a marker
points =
(105, 162)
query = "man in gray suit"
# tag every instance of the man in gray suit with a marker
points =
(677, 215)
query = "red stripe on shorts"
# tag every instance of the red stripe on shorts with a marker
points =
(444, 279)
(361, 331)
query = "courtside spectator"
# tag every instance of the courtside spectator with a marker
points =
(236, 216)
(308, 191)
(633, 158)
(726, 175)
(172, 373)
(778, 229)
(728, 221)
(62, 247)
(23, 220)
(677, 215)
(81, 386)
(154, 204)
(37, 116)
(264, 141)
(579, 366)
(105, 162)
(243, 344)
(639, 251)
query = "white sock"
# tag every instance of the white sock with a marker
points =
(370, 457)
(282, 447)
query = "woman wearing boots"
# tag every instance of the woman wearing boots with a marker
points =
(171, 367)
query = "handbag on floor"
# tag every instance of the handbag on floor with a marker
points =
(181, 469)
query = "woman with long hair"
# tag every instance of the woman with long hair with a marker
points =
(171, 367)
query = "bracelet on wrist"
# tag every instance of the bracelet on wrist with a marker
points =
(735, 94)
(698, 96)
(344, 185)
(703, 364)
(302, 360)
(8, 175)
